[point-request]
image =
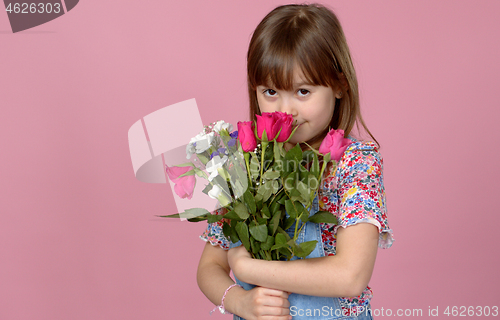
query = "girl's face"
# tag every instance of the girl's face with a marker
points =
(311, 106)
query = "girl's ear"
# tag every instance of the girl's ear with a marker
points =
(343, 82)
(341, 87)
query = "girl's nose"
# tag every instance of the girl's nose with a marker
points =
(286, 105)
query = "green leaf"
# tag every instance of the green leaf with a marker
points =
(278, 246)
(233, 234)
(226, 230)
(277, 152)
(268, 244)
(271, 175)
(280, 239)
(306, 248)
(268, 191)
(223, 173)
(294, 154)
(197, 219)
(314, 169)
(265, 212)
(290, 209)
(286, 252)
(265, 190)
(307, 155)
(275, 222)
(284, 233)
(291, 243)
(289, 183)
(214, 217)
(303, 214)
(242, 231)
(254, 245)
(254, 167)
(295, 195)
(304, 191)
(303, 172)
(275, 205)
(237, 176)
(258, 197)
(264, 136)
(278, 166)
(289, 166)
(175, 215)
(202, 158)
(323, 217)
(241, 210)
(327, 157)
(282, 200)
(261, 221)
(259, 232)
(276, 186)
(192, 214)
(207, 188)
(232, 216)
(258, 204)
(268, 158)
(312, 182)
(288, 222)
(249, 202)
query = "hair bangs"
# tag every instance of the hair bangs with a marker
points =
(278, 60)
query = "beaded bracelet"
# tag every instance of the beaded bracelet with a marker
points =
(221, 307)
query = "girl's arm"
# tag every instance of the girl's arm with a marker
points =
(346, 274)
(258, 303)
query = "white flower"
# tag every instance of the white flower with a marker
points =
(215, 192)
(221, 125)
(200, 143)
(214, 164)
(190, 150)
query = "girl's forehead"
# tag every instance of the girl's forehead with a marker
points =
(295, 78)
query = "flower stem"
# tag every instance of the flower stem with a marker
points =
(247, 160)
(264, 146)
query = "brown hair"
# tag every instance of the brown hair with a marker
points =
(309, 35)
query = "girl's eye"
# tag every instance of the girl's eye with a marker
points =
(303, 92)
(269, 92)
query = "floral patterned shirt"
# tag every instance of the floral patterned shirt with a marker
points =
(354, 192)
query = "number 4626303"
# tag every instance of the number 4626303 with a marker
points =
(471, 311)
(33, 8)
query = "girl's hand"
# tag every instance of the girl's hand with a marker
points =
(260, 303)
(237, 257)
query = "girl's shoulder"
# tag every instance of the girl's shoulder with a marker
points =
(361, 158)
(360, 152)
(361, 145)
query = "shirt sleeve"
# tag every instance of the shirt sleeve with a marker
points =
(214, 234)
(361, 193)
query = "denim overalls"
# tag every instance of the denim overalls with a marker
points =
(303, 307)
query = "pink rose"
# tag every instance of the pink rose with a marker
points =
(286, 126)
(246, 135)
(271, 122)
(335, 144)
(184, 186)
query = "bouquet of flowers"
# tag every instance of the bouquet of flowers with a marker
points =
(263, 189)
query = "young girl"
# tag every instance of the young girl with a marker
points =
(299, 63)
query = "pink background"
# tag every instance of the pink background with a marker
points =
(78, 234)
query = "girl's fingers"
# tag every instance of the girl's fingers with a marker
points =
(277, 302)
(274, 292)
(266, 303)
